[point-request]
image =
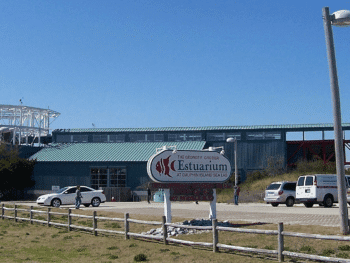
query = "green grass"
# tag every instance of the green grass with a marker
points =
(25, 242)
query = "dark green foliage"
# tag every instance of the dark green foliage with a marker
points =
(327, 252)
(344, 248)
(140, 257)
(16, 173)
(342, 255)
(112, 248)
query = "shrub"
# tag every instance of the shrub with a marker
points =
(342, 255)
(344, 248)
(140, 257)
(327, 252)
(316, 166)
(113, 256)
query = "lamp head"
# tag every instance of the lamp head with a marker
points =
(230, 139)
(341, 18)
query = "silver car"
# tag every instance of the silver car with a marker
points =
(66, 196)
(280, 193)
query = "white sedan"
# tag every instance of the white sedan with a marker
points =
(66, 196)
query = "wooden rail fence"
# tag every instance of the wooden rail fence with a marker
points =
(215, 245)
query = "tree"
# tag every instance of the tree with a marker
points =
(16, 174)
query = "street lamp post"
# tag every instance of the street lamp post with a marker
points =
(230, 140)
(339, 18)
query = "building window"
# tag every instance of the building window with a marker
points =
(108, 177)
(64, 138)
(80, 138)
(117, 177)
(117, 138)
(263, 135)
(100, 138)
(180, 137)
(159, 137)
(146, 137)
(99, 177)
(222, 136)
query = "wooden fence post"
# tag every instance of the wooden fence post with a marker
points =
(165, 230)
(15, 213)
(215, 235)
(126, 226)
(2, 211)
(69, 219)
(48, 216)
(94, 223)
(31, 214)
(280, 242)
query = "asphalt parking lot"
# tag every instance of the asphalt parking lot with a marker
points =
(249, 212)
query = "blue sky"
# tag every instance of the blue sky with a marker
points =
(172, 63)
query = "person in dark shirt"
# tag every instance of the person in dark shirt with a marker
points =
(78, 198)
(148, 195)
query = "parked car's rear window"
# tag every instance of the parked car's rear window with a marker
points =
(290, 186)
(273, 187)
(309, 180)
(85, 189)
(301, 181)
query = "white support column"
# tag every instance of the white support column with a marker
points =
(14, 136)
(212, 214)
(167, 205)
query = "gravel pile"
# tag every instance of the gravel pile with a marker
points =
(175, 231)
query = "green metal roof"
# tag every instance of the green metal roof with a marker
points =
(108, 152)
(205, 128)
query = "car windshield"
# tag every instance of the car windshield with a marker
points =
(273, 187)
(62, 190)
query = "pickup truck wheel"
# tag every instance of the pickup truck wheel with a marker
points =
(328, 201)
(274, 204)
(290, 201)
(308, 205)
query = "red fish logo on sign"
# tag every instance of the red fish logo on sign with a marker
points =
(163, 167)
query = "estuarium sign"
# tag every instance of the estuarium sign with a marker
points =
(189, 166)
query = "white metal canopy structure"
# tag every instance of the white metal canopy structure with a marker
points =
(24, 122)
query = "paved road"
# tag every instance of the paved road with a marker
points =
(249, 212)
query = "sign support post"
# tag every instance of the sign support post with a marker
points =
(167, 205)
(212, 214)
